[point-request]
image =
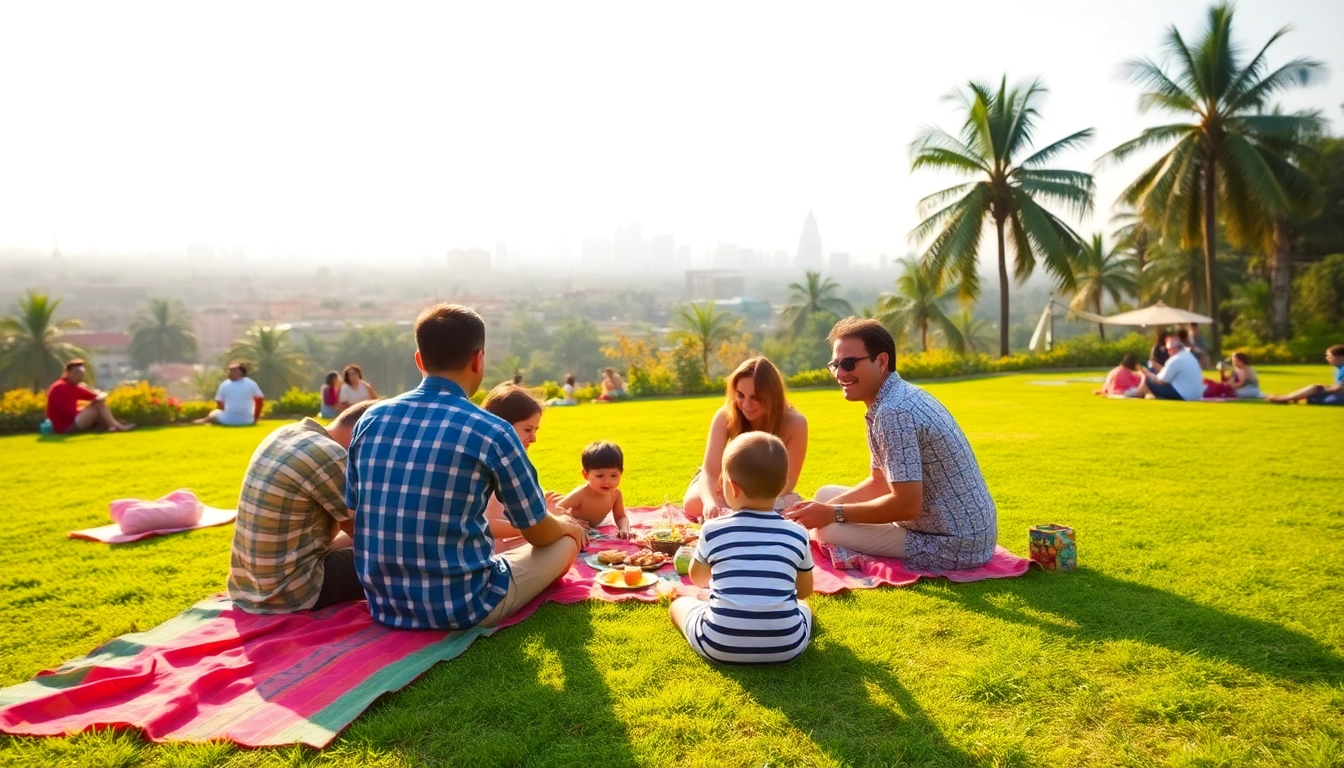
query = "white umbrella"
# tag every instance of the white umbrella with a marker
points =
(1158, 314)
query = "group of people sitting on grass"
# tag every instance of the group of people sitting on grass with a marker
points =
(73, 407)
(1179, 375)
(416, 503)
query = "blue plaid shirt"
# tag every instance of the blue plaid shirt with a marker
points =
(422, 466)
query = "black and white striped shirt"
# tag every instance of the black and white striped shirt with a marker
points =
(753, 615)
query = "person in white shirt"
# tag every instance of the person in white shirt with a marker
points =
(1181, 378)
(238, 401)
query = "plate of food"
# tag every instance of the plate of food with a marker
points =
(629, 577)
(648, 559)
(611, 557)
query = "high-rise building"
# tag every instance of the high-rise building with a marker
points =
(714, 284)
(809, 245)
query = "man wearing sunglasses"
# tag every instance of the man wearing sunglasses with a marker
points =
(925, 501)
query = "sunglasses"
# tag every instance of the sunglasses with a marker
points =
(848, 363)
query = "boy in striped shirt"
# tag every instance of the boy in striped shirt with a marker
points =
(756, 564)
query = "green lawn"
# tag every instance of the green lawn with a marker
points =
(1203, 627)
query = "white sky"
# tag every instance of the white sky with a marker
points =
(407, 129)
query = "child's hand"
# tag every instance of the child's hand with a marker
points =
(623, 528)
(553, 501)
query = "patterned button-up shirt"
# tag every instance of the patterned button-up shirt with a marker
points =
(912, 437)
(290, 509)
(422, 466)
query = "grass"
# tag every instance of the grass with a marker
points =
(1202, 629)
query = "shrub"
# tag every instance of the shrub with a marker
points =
(656, 380)
(143, 404)
(22, 410)
(296, 402)
(194, 409)
(817, 378)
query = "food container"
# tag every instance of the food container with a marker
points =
(682, 560)
(1054, 547)
(633, 575)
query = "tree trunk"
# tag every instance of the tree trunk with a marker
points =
(1003, 292)
(1280, 278)
(1101, 327)
(924, 335)
(1210, 253)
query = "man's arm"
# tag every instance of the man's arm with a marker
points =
(872, 501)
(551, 529)
(257, 404)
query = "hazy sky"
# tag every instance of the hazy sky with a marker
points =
(406, 129)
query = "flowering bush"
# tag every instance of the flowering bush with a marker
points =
(143, 404)
(192, 410)
(296, 402)
(22, 410)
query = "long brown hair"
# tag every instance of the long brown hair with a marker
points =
(511, 403)
(769, 387)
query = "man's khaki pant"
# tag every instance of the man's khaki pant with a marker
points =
(532, 569)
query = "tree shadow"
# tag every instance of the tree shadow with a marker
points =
(856, 711)
(530, 694)
(1091, 606)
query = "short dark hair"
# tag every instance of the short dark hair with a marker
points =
(332, 375)
(875, 337)
(1183, 335)
(569, 379)
(1244, 358)
(1337, 350)
(603, 455)
(448, 336)
(511, 403)
(348, 418)
(1129, 361)
(239, 364)
(758, 463)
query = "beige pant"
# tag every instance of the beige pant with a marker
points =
(531, 570)
(881, 539)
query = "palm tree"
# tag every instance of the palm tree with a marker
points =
(1232, 160)
(275, 365)
(918, 302)
(162, 333)
(813, 295)
(1176, 276)
(706, 328)
(507, 368)
(976, 335)
(1098, 273)
(32, 347)
(1132, 235)
(999, 128)
(205, 383)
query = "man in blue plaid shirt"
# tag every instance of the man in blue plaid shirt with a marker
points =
(422, 466)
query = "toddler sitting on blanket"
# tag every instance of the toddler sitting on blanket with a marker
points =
(600, 494)
(756, 564)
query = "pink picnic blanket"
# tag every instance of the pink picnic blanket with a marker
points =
(215, 672)
(827, 579)
(111, 534)
(135, 519)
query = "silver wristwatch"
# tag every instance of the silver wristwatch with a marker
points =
(839, 513)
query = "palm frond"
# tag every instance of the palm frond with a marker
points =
(1072, 141)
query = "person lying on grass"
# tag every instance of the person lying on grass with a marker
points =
(600, 494)
(756, 564)
(755, 402)
(291, 542)
(926, 501)
(422, 466)
(522, 411)
(1321, 394)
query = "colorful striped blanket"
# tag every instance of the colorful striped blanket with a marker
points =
(215, 672)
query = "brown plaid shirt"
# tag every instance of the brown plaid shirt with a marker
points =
(292, 502)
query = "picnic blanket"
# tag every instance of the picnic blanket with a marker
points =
(112, 534)
(215, 672)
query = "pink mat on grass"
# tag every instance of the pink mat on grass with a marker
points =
(111, 534)
(578, 584)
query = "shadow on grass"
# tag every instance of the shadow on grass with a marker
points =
(530, 695)
(1092, 606)
(857, 712)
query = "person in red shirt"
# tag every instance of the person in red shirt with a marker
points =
(64, 397)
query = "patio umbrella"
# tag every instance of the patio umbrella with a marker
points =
(1158, 314)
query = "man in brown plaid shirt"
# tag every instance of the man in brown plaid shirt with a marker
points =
(289, 553)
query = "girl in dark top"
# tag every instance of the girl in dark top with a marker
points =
(1158, 357)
